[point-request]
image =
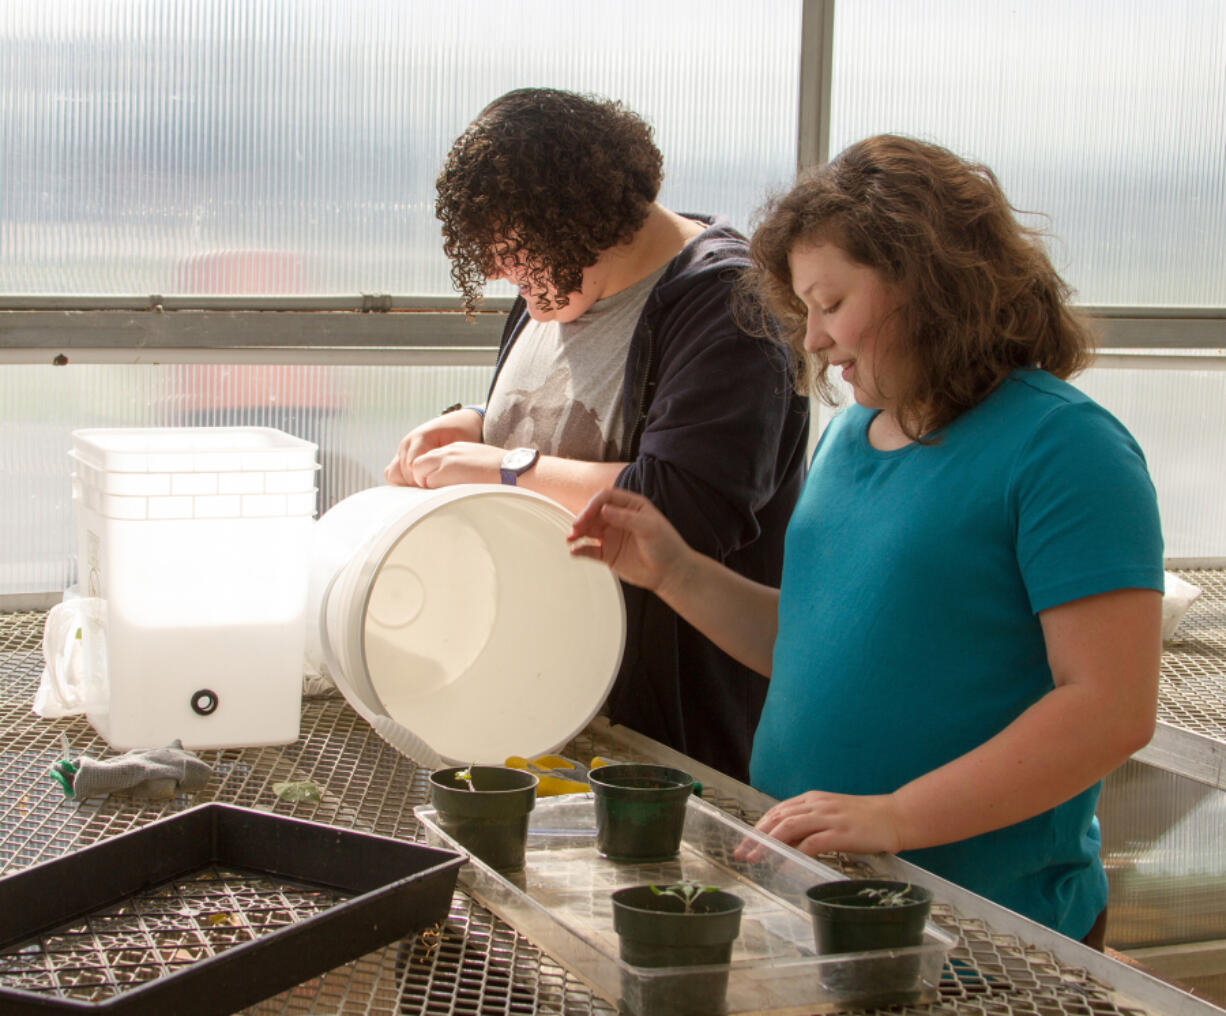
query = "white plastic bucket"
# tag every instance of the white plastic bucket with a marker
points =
(456, 622)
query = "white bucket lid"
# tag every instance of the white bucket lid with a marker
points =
(459, 616)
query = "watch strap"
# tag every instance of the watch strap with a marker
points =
(510, 475)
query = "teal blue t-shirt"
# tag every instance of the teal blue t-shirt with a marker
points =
(908, 627)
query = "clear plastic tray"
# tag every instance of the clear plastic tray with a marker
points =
(561, 902)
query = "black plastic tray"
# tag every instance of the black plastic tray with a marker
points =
(362, 891)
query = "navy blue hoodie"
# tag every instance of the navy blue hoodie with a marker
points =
(716, 436)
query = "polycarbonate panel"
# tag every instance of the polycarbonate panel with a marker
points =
(282, 147)
(357, 416)
(1104, 115)
(1162, 847)
(1179, 419)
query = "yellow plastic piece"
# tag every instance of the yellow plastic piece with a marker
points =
(557, 775)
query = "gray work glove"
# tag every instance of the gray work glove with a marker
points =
(156, 773)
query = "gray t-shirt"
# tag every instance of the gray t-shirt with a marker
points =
(560, 389)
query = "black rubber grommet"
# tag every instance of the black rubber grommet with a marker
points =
(204, 702)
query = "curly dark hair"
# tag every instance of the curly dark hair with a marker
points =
(549, 177)
(981, 297)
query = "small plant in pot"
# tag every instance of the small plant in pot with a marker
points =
(485, 809)
(680, 925)
(862, 915)
(640, 810)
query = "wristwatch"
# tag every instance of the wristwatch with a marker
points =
(516, 462)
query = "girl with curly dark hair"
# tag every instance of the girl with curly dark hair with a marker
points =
(967, 634)
(539, 187)
(621, 363)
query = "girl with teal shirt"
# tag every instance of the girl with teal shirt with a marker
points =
(967, 635)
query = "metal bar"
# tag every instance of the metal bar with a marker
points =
(816, 75)
(1160, 327)
(240, 329)
(1159, 359)
(382, 302)
(1157, 312)
(1186, 753)
(303, 322)
(366, 302)
(350, 356)
(1183, 563)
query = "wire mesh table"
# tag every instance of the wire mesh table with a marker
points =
(473, 964)
(1191, 736)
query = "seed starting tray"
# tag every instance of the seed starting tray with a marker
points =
(561, 901)
(208, 911)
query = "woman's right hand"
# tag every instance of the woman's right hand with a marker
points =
(629, 534)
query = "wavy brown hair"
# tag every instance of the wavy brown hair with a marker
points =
(550, 178)
(981, 297)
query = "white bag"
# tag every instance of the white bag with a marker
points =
(74, 649)
(1176, 599)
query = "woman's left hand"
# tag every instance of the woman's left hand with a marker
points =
(817, 822)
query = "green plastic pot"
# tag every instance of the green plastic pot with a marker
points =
(655, 931)
(490, 820)
(846, 919)
(640, 810)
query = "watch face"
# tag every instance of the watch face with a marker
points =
(519, 458)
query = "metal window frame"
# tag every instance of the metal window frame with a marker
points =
(816, 75)
(250, 331)
(377, 328)
(323, 331)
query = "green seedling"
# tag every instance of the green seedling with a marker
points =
(465, 776)
(686, 892)
(298, 790)
(883, 897)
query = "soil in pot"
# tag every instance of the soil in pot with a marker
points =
(655, 930)
(640, 810)
(488, 813)
(862, 915)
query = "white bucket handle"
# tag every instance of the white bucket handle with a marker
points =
(74, 650)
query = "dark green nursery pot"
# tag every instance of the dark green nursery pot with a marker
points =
(640, 810)
(491, 820)
(846, 919)
(654, 931)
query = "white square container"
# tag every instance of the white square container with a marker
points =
(205, 591)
